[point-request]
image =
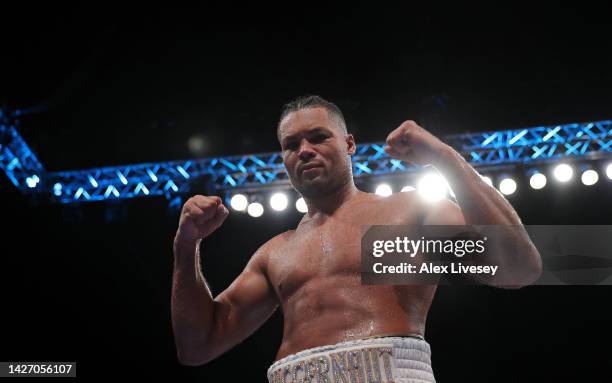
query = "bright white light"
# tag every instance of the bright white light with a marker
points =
(32, 181)
(487, 180)
(563, 172)
(300, 205)
(279, 201)
(239, 202)
(589, 177)
(255, 209)
(432, 187)
(408, 188)
(197, 144)
(384, 190)
(507, 186)
(537, 181)
(57, 189)
(609, 171)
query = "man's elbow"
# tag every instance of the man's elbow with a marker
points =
(534, 268)
(191, 362)
(194, 352)
(526, 275)
(192, 358)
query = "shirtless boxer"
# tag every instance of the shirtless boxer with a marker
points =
(335, 328)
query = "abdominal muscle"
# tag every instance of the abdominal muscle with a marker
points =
(330, 310)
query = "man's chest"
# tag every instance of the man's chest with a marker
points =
(319, 252)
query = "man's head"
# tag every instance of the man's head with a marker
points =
(316, 146)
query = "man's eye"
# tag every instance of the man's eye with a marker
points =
(319, 138)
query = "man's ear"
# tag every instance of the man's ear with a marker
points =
(350, 142)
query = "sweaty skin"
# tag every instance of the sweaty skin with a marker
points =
(313, 272)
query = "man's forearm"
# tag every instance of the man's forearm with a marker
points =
(192, 303)
(482, 204)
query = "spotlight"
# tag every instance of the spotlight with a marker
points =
(537, 181)
(408, 188)
(609, 171)
(278, 201)
(563, 172)
(432, 187)
(239, 202)
(255, 209)
(32, 181)
(197, 144)
(589, 177)
(57, 189)
(487, 180)
(507, 186)
(300, 205)
(384, 190)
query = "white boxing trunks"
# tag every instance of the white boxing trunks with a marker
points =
(384, 359)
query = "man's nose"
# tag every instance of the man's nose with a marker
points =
(306, 152)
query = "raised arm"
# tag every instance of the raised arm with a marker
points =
(205, 327)
(478, 204)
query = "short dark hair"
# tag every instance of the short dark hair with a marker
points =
(313, 101)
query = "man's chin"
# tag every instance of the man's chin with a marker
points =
(313, 188)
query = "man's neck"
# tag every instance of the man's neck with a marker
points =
(326, 205)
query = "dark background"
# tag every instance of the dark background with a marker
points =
(91, 283)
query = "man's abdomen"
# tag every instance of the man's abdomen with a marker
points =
(337, 309)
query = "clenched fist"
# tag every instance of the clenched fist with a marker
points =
(413, 144)
(199, 218)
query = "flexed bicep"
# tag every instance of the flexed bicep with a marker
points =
(243, 307)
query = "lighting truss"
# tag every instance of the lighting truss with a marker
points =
(584, 141)
(17, 159)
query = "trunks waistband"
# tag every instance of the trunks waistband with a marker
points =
(379, 358)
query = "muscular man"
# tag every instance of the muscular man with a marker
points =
(335, 328)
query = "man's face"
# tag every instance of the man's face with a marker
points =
(316, 152)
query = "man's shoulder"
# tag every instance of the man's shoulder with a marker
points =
(442, 212)
(275, 242)
(262, 255)
(403, 199)
(281, 238)
(420, 209)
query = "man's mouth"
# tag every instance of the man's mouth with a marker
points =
(308, 167)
